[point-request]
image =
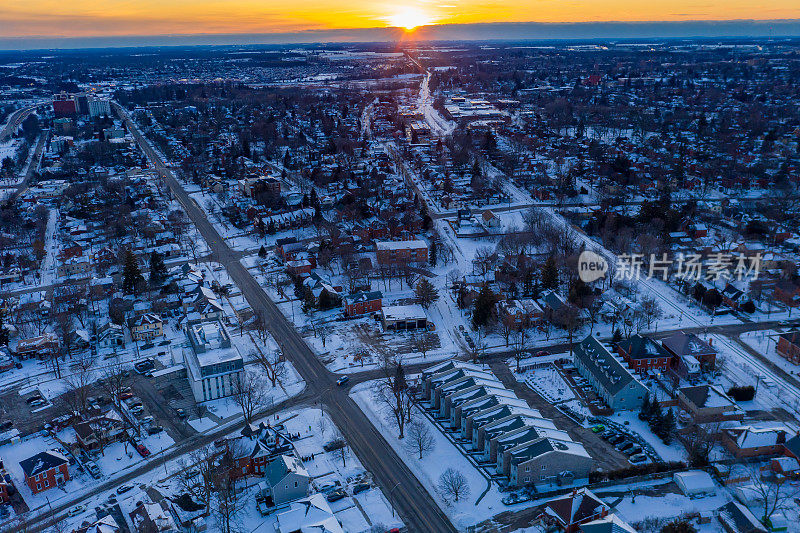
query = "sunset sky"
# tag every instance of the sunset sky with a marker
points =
(83, 18)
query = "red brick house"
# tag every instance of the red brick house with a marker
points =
(747, 441)
(7, 487)
(787, 292)
(401, 253)
(45, 470)
(644, 354)
(788, 346)
(361, 303)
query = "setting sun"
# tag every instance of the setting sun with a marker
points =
(410, 19)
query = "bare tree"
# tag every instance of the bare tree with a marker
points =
(273, 365)
(453, 484)
(249, 394)
(773, 494)
(79, 380)
(424, 342)
(393, 394)
(651, 310)
(197, 474)
(506, 327)
(420, 439)
(518, 346)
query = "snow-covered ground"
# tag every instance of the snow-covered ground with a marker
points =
(469, 510)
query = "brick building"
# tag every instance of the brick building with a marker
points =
(45, 470)
(402, 253)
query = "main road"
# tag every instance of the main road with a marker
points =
(415, 505)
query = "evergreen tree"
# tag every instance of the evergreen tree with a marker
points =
(550, 274)
(617, 337)
(668, 426)
(131, 274)
(262, 252)
(3, 330)
(399, 383)
(484, 306)
(426, 293)
(432, 253)
(158, 270)
(644, 412)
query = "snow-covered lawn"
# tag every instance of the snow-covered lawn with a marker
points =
(464, 513)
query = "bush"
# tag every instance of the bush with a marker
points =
(742, 394)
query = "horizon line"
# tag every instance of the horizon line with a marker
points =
(484, 31)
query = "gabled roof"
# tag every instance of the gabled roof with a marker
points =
(609, 524)
(609, 371)
(575, 507)
(639, 347)
(685, 344)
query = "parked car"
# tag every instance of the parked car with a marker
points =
(122, 489)
(360, 487)
(616, 439)
(638, 459)
(37, 402)
(607, 434)
(137, 409)
(142, 449)
(542, 353)
(33, 399)
(181, 413)
(515, 498)
(5, 426)
(624, 445)
(598, 428)
(148, 420)
(125, 395)
(93, 469)
(152, 430)
(636, 450)
(335, 495)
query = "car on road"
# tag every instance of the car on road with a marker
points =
(598, 428)
(637, 459)
(358, 488)
(122, 489)
(181, 413)
(335, 495)
(142, 449)
(75, 511)
(542, 353)
(342, 380)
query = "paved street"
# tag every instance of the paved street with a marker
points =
(407, 495)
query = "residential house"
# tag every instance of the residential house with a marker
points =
(748, 441)
(286, 480)
(7, 488)
(146, 327)
(547, 460)
(401, 253)
(570, 511)
(308, 514)
(706, 403)
(608, 524)
(99, 430)
(362, 303)
(787, 292)
(611, 379)
(687, 347)
(788, 346)
(45, 470)
(643, 354)
(153, 518)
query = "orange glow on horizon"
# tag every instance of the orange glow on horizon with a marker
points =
(80, 18)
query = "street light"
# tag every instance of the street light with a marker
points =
(390, 497)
